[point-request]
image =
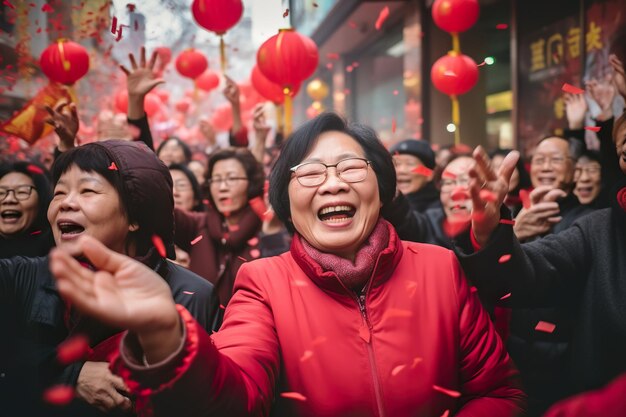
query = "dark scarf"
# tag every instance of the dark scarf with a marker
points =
(353, 275)
(425, 198)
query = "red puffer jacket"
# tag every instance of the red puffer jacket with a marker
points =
(295, 342)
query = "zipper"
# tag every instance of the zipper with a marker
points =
(366, 334)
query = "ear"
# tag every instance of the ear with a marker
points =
(133, 227)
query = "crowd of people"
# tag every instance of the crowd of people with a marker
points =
(326, 276)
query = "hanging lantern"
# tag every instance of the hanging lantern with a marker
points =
(165, 56)
(217, 16)
(64, 62)
(151, 104)
(121, 101)
(455, 16)
(191, 63)
(317, 90)
(207, 81)
(269, 90)
(164, 95)
(454, 74)
(287, 59)
(183, 105)
(222, 118)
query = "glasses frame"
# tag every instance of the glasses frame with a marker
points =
(550, 160)
(226, 181)
(14, 190)
(368, 163)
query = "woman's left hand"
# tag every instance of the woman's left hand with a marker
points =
(64, 119)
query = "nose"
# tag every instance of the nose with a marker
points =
(333, 184)
(223, 186)
(10, 197)
(68, 202)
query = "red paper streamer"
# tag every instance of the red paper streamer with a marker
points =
(507, 221)
(8, 4)
(113, 25)
(59, 395)
(293, 395)
(453, 228)
(395, 371)
(242, 258)
(158, 244)
(196, 240)
(544, 326)
(451, 393)
(189, 292)
(448, 175)
(446, 413)
(73, 349)
(382, 16)
(35, 232)
(306, 355)
(505, 296)
(524, 195)
(422, 170)
(258, 206)
(568, 88)
(504, 258)
(46, 8)
(488, 196)
(502, 26)
(593, 128)
(254, 241)
(112, 167)
(34, 169)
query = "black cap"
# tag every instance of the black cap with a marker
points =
(418, 148)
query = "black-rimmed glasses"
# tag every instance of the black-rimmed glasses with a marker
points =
(21, 192)
(229, 181)
(312, 174)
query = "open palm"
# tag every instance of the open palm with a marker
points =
(141, 79)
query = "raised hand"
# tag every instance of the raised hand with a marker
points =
(64, 119)
(140, 80)
(98, 386)
(123, 293)
(486, 213)
(602, 93)
(543, 213)
(261, 128)
(575, 110)
(619, 78)
(231, 91)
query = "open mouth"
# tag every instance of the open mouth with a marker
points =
(547, 180)
(336, 214)
(584, 190)
(459, 208)
(68, 228)
(10, 214)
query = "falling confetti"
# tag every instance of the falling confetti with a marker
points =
(222, 307)
(422, 170)
(448, 175)
(481, 64)
(382, 16)
(446, 413)
(35, 232)
(451, 393)
(286, 13)
(396, 92)
(488, 196)
(59, 395)
(46, 8)
(73, 349)
(505, 296)
(568, 88)
(258, 206)
(593, 128)
(525, 197)
(8, 4)
(393, 125)
(504, 258)
(544, 326)
(454, 228)
(189, 292)
(158, 244)
(502, 26)
(416, 361)
(459, 194)
(241, 258)
(507, 221)
(112, 167)
(254, 241)
(34, 169)
(114, 25)
(306, 355)
(395, 371)
(293, 395)
(255, 253)
(196, 240)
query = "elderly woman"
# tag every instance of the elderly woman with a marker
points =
(351, 322)
(119, 193)
(24, 198)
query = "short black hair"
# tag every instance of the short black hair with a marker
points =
(524, 176)
(186, 149)
(300, 143)
(253, 168)
(197, 196)
(39, 175)
(592, 155)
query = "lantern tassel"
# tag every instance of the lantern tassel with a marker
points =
(287, 113)
(280, 127)
(456, 118)
(456, 43)
(222, 54)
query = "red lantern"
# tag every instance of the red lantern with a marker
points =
(455, 16)
(64, 62)
(288, 58)
(222, 118)
(207, 81)
(121, 101)
(191, 63)
(454, 74)
(151, 104)
(163, 95)
(271, 91)
(165, 55)
(183, 105)
(217, 15)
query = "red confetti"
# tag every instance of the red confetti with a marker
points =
(8, 3)
(504, 258)
(158, 244)
(459, 194)
(446, 413)
(568, 88)
(73, 349)
(502, 26)
(393, 125)
(293, 396)
(593, 128)
(454, 228)
(481, 64)
(448, 175)
(32, 5)
(233, 227)
(416, 362)
(112, 167)
(306, 356)
(242, 258)
(254, 241)
(255, 253)
(46, 8)
(196, 240)
(544, 326)
(422, 170)
(189, 292)
(35, 232)
(258, 206)
(332, 55)
(396, 92)
(222, 307)
(395, 371)
(352, 25)
(507, 221)
(34, 169)
(114, 25)
(286, 13)
(524, 195)
(505, 296)
(488, 196)
(382, 16)
(38, 30)
(451, 393)
(59, 395)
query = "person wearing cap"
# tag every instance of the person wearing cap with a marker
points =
(121, 194)
(415, 161)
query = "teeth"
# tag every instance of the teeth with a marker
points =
(327, 210)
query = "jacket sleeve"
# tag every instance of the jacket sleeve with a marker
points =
(187, 225)
(489, 381)
(233, 373)
(538, 274)
(409, 224)
(145, 135)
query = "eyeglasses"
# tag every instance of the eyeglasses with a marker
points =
(591, 170)
(229, 181)
(555, 161)
(448, 184)
(397, 162)
(21, 192)
(182, 186)
(349, 170)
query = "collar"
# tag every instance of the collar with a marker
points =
(384, 266)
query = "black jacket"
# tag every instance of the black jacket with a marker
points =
(582, 269)
(34, 320)
(425, 198)
(37, 243)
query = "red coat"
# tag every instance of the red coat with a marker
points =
(296, 335)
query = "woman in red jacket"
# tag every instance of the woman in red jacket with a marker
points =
(351, 321)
